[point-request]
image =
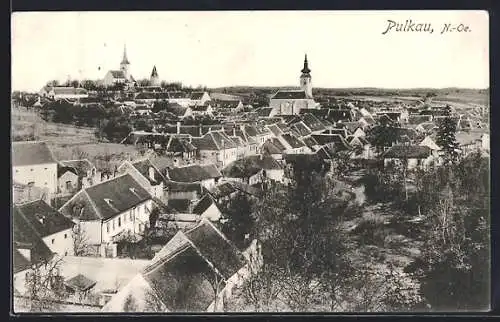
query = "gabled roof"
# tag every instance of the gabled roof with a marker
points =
(31, 153)
(80, 167)
(106, 199)
(310, 141)
(182, 273)
(143, 166)
(222, 190)
(197, 95)
(407, 152)
(216, 248)
(214, 140)
(203, 204)
(194, 173)
(290, 94)
(43, 218)
(179, 145)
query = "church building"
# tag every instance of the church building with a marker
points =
(290, 102)
(121, 76)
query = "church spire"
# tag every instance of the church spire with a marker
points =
(306, 69)
(125, 60)
(154, 73)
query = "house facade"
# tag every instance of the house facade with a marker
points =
(34, 165)
(113, 207)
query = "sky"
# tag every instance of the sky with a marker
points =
(253, 48)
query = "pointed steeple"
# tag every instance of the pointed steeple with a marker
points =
(125, 59)
(306, 69)
(154, 73)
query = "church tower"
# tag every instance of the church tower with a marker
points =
(154, 79)
(305, 79)
(125, 64)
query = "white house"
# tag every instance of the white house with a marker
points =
(34, 165)
(216, 147)
(67, 92)
(55, 229)
(415, 156)
(110, 208)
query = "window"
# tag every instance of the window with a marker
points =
(46, 168)
(130, 215)
(119, 221)
(107, 227)
(17, 171)
(31, 169)
(65, 253)
(65, 236)
(124, 218)
(113, 225)
(53, 240)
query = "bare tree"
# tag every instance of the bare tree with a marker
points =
(80, 240)
(44, 287)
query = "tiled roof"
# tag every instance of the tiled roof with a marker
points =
(194, 173)
(119, 74)
(312, 122)
(43, 218)
(335, 115)
(200, 108)
(275, 129)
(264, 111)
(273, 146)
(203, 204)
(25, 236)
(222, 190)
(292, 141)
(309, 141)
(183, 186)
(81, 167)
(300, 128)
(80, 283)
(143, 167)
(214, 140)
(179, 145)
(215, 247)
(31, 153)
(290, 94)
(408, 151)
(197, 95)
(179, 205)
(107, 199)
(184, 270)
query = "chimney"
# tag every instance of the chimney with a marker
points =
(178, 127)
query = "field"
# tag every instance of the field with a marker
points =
(69, 142)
